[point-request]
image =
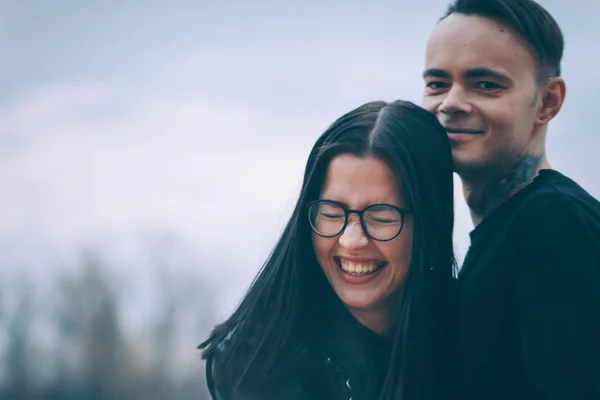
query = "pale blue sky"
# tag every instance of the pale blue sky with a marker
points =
(123, 122)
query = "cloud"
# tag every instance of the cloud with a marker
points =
(158, 150)
(206, 138)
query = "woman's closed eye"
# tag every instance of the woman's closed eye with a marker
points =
(331, 215)
(383, 220)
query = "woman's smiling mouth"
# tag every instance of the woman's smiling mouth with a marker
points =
(359, 268)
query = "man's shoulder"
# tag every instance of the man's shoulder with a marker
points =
(552, 211)
(557, 217)
(552, 194)
(553, 222)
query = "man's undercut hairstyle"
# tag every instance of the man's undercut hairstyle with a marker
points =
(531, 22)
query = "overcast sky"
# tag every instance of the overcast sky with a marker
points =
(132, 125)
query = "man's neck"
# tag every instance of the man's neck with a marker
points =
(485, 195)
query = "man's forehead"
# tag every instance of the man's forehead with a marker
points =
(475, 45)
(472, 33)
(457, 25)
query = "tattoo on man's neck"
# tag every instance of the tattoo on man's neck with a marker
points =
(518, 177)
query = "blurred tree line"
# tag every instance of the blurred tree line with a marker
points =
(71, 341)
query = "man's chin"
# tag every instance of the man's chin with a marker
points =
(468, 168)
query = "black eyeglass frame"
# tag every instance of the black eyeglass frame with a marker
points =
(347, 211)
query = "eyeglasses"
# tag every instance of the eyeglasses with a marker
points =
(381, 222)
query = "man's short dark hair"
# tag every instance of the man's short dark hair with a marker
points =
(531, 22)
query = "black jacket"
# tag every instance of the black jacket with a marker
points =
(340, 360)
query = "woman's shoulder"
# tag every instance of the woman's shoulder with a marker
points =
(224, 363)
(299, 372)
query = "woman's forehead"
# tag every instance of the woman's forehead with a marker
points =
(360, 181)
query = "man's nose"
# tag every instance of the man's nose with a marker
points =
(455, 102)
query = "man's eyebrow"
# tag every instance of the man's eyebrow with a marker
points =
(479, 72)
(485, 72)
(436, 73)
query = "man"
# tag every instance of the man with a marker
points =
(529, 290)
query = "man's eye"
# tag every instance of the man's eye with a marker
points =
(488, 85)
(436, 85)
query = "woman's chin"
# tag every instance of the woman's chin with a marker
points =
(360, 301)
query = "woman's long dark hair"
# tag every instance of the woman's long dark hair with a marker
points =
(290, 290)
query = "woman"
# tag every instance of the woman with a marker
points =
(352, 303)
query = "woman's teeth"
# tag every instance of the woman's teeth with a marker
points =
(362, 268)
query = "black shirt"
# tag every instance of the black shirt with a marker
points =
(529, 297)
(336, 358)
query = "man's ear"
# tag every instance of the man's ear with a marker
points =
(553, 96)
